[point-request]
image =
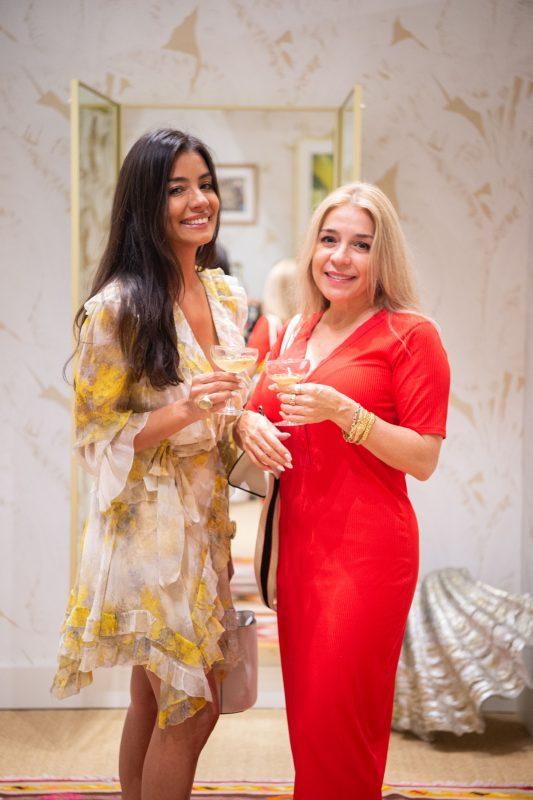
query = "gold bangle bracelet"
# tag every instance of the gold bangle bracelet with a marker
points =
(349, 436)
(368, 427)
(360, 426)
(363, 428)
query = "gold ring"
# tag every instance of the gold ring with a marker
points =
(204, 403)
(292, 399)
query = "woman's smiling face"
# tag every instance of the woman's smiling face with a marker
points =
(193, 204)
(340, 263)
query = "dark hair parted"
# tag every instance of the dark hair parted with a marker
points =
(140, 258)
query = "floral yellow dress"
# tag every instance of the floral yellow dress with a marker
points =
(152, 586)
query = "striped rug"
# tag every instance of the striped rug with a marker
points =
(87, 789)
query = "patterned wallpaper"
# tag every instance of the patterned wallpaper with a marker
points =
(447, 133)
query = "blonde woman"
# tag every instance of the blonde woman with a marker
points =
(372, 409)
(279, 305)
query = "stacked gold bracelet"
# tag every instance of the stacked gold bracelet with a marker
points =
(361, 425)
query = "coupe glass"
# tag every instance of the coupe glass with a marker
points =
(286, 372)
(233, 359)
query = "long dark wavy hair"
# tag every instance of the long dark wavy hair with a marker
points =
(139, 256)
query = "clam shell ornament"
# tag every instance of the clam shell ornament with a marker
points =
(462, 644)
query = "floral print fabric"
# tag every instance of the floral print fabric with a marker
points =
(152, 587)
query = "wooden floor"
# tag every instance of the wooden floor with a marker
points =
(75, 743)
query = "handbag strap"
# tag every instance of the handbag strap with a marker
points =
(290, 333)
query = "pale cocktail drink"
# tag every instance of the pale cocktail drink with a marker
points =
(236, 360)
(235, 364)
(287, 372)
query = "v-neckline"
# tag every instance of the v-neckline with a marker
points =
(211, 299)
(352, 337)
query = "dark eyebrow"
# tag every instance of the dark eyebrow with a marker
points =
(355, 236)
(186, 180)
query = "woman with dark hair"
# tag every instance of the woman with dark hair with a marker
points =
(153, 584)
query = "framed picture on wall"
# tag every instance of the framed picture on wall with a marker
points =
(314, 179)
(239, 193)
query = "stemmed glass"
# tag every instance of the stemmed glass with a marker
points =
(233, 359)
(286, 372)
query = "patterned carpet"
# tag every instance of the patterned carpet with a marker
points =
(85, 789)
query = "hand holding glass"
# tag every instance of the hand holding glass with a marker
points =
(286, 372)
(233, 359)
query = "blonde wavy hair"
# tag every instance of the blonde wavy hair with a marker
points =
(391, 283)
(280, 296)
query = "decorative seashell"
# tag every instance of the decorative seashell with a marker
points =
(462, 644)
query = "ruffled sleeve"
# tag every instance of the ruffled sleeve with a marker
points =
(241, 302)
(229, 307)
(105, 425)
(230, 294)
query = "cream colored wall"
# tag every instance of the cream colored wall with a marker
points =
(448, 112)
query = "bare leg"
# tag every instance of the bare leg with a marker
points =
(136, 734)
(173, 753)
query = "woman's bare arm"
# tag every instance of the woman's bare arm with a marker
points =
(398, 447)
(401, 448)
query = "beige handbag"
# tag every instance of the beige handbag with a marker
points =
(266, 546)
(245, 475)
(237, 689)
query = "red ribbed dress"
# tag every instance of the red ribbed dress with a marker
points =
(348, 558)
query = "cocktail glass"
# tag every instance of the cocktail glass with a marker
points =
(233, 359)
(286, 373)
